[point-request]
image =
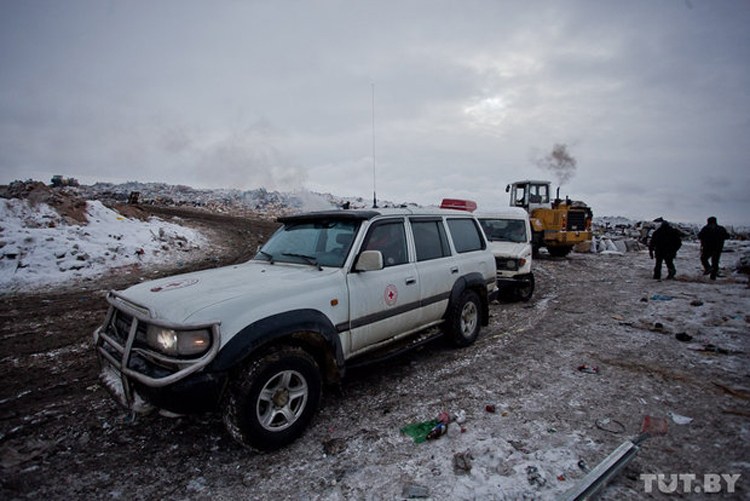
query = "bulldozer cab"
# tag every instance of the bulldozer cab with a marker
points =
(529, 195)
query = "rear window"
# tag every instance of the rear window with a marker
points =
(430, 239)
(466, 234)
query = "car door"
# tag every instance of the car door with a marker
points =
(384, 303)
(436, 270)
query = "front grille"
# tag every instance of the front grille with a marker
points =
(133, 359)
(576, 220)
(120, 327)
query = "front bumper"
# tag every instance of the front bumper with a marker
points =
(505, 282)
(141, 378)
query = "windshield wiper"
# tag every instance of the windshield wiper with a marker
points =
(310, 259)
(268, 255)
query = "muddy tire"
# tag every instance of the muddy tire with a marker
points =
(525, 291)
(559, 251)
(273, 399)
(464, 319)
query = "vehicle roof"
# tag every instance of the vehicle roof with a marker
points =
(364, 214)
(505, 212)
(531, 181)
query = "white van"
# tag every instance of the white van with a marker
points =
(509, 234)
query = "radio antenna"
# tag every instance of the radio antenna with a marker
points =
(374, 191)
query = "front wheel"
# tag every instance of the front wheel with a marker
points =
(525, 290)
(462, 324)
(273, 399)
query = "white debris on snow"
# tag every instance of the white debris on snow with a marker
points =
(38, 247)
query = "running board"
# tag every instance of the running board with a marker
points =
(393, 350)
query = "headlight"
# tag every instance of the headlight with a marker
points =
(510, 264)
(172, 342)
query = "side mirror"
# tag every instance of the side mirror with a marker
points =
(369, 260)
(507, 188)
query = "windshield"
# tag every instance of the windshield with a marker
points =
(504, 230)
(320, 243)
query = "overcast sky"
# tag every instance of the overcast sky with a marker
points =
(652, 98)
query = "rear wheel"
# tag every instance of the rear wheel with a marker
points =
(462, 324)
(559, 251)
(273, 399)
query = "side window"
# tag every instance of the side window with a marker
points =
(544, 193)
(430, 239)
(466, 235)
(539, 193)
(389, 238)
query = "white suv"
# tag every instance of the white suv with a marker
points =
(328, 290)
(509, 235)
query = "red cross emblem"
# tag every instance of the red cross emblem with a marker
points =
(390, 295)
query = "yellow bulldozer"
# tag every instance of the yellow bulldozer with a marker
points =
(556, 224)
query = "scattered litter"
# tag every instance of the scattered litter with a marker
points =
(596, 479)
(661, 297)
(535, 478)
(654, 426)
(658, 327)
(684, 337)
(678, 419)
(587, 369)
(333, 446)
(490, 408)
(444, 417)
(414, 491)
(561, 478)
(610, 425)
(437, 431)
(432, 429)
(462, 462)
(454, 430)
(696, 302)
(459, 416)
(419, 431)
(583, 465)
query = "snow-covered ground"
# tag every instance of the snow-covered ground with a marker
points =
(38, 247)
(535, 422)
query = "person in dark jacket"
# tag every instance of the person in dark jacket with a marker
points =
(664, 244)
(712, 237)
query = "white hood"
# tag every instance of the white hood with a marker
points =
(510, 249)
(189, 297)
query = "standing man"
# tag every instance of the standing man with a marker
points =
(665, 242)
(712, 238)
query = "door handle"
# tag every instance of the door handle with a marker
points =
(454, 270)
(411, 281)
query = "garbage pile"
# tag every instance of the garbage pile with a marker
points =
(617, 235)
(49, 236)
(70, 206)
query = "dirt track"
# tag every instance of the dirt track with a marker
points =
(62, 436)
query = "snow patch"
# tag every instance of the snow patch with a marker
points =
(39, 248)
